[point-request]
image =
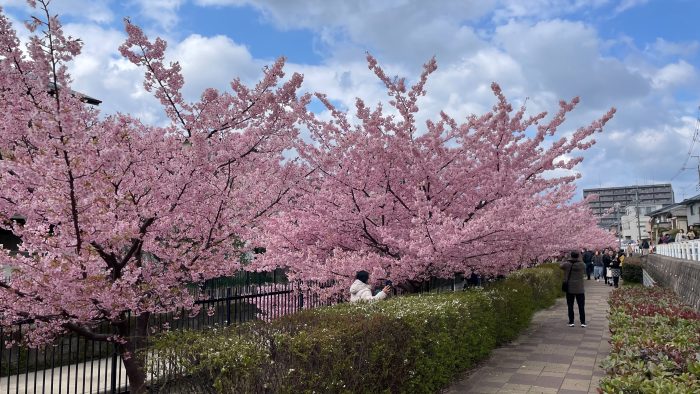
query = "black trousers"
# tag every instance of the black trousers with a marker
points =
(581, 301)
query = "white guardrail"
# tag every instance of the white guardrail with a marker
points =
(689, 250)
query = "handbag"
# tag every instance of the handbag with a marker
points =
(565, 285)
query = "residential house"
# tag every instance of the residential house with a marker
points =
(634, 221)
(669, 217)
(693, 212)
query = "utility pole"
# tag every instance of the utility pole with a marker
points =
(636, 207)
(698, 157)
(618, 216)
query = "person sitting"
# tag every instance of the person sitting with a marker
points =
(360, 290)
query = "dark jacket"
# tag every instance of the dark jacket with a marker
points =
(576, 279)
(598, 260)
(606, 260)
(588, 257)
(616, 263)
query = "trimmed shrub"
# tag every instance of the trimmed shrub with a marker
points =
(545, 282)
(512, 302)
(631, 270)
(411, 344)
(655, 343)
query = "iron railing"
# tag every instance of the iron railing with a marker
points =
(74, 364)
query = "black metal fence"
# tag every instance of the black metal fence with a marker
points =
(76, 365)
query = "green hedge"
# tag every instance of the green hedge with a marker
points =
(655, 344)
(410, 344)
(631, 270)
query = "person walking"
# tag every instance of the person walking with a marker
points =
(574, 270)
(615, 268)
(645, 247)
(598, 266)
(607, 259)
(588, 261)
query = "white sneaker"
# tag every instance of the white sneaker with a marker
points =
(583, 325)
(571, 324)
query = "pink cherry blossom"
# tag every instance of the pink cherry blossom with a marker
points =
(120, 216)
(408, 202)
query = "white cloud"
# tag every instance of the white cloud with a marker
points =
(163, 12)
(564, 57)
(674, 75)
(213, 62)
(542, 9)
(625, 5)
(670, 48)
(94, 11)
(403, 30)
(101, 72)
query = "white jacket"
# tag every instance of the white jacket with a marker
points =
(360, 291)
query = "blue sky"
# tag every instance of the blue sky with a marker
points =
(641, 56)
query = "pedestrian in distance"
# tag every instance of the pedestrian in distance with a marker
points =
(598, 266)
(574, 269)
(616, 267)
(360, 290)
(588, 261)
(607, 259)
(645, 247)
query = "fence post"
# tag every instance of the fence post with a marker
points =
(228, 306)
(301, 299)
(114, 369)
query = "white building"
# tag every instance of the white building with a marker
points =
(635, 227)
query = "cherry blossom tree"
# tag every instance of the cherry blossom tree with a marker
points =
(408, 202)
(121, 216)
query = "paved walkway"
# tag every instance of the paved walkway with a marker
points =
(550, 356)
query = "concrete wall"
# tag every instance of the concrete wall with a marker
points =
(683, 276)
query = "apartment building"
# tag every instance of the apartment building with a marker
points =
(612, 202)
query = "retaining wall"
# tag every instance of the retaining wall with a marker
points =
(683, 276)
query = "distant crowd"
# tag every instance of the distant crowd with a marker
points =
(680, 236)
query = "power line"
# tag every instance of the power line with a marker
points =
(696, 137)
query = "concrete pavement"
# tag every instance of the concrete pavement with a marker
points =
(550, 356)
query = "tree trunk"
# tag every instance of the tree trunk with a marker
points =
(132, 354)
(135, 372)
